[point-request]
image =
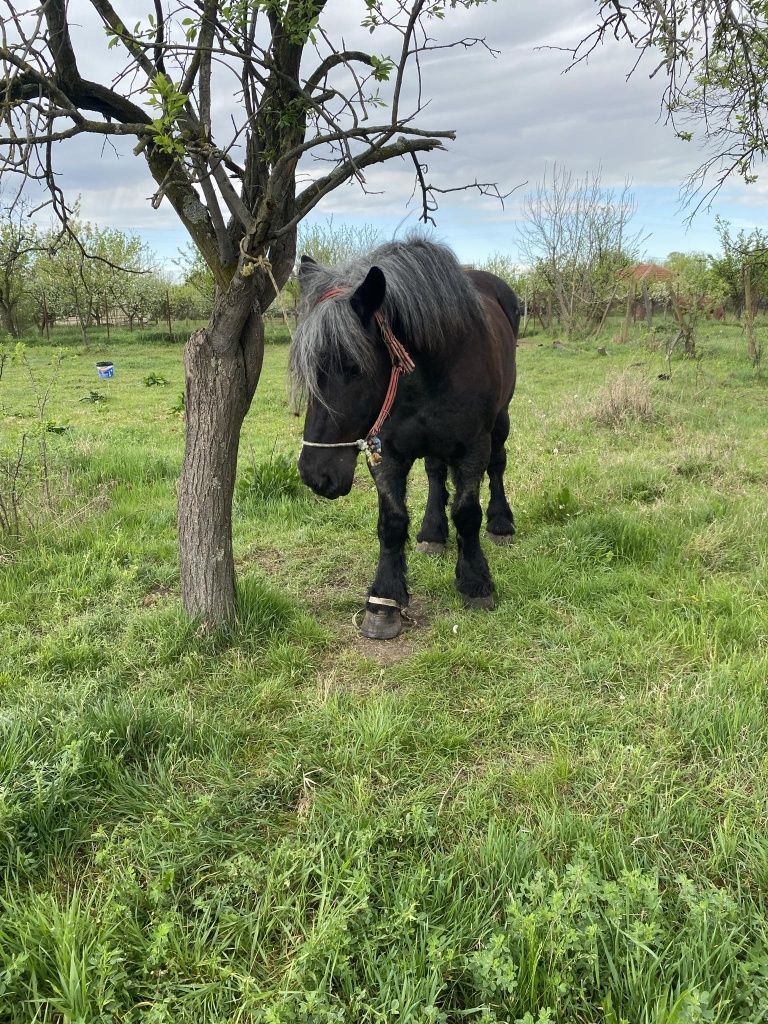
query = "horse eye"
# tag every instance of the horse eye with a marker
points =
(351, 371)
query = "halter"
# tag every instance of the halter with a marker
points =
(401, 364)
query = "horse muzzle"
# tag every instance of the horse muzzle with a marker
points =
(329, 475)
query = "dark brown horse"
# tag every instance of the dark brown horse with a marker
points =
(404, 355)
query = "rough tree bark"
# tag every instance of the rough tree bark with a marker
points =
(749, 316)
(222, 365)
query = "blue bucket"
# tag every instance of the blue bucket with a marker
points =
(105, 370)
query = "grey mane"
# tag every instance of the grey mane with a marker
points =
(429, 300)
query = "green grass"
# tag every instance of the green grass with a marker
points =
(553, 812)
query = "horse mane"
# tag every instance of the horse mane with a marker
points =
(429, 300)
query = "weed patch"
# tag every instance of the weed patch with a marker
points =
(625, 399)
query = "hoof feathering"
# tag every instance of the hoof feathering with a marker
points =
(430, 547)
(384, 625)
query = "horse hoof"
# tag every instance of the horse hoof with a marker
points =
(483, 602)
(502, 540)
(384, 625)
(430, 547)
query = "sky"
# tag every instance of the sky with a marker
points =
(516, 115)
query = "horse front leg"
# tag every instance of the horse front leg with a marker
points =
(389, 593)
(473, 577)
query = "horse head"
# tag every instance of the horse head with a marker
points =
(339, 361)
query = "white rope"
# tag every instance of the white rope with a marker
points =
(360, 443)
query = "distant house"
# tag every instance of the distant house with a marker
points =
(647, 273)
(641, 276)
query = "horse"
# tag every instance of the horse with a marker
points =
(407, 332)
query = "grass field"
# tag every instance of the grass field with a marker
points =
(557, 811)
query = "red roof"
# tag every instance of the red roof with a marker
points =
(647, 272)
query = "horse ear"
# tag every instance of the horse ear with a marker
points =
(370, 295)
(307, 266)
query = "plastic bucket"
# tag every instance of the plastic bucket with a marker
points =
(105, 370)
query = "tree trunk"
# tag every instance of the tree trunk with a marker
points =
(749, 317)
(647, 305)
(168, 315)
(8, 319)
(631, 291)
(222, 363)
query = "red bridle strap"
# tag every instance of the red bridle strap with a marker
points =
(331, 294)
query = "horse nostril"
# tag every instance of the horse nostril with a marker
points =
(320, 483)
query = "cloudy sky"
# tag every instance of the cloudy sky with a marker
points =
(515, 116)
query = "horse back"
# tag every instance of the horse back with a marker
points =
(494, 287)
(503, 315)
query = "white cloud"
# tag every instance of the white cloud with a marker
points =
(513, 116)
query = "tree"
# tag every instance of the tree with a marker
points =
(694, 291)
(18, 244)
(331, 243)
(75, 268)
(133, 284)
(232, 182)
(504, 266)
(742, 269)
(715, 58)
(196, 274)
(576, 234)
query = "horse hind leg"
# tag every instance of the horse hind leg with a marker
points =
(499, 521)
(473, 577)
(433, 535)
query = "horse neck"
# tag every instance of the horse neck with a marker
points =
(434, 363)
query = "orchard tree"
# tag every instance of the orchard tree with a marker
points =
(18, 245)
(197, 275)
(695, 290)
(577, 234)
(332, 243)
(73, 266)
(232, 179)
(742, 267)
(133, 283)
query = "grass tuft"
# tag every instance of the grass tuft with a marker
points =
(624, 399)
(269, 480)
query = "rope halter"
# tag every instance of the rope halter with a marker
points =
(401, 364)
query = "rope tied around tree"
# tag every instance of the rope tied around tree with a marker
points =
(250, 264)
